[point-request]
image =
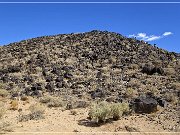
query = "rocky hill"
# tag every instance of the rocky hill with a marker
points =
(91, 66)
(87, 62)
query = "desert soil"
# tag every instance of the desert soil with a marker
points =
(59, 121)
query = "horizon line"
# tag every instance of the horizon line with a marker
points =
(148, 2)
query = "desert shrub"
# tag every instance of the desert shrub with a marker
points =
(169, 71)
(5, 127)
(37, 111)
(52, 101)
(37, 108)
(14, 105)
(2, 109)
(103, 111)
(77, 104)
(100, 112)
(134, 66)
(134, 83)
(4, 93)
(170, 97)
(129, 92)
(176, 85)
(118, 109)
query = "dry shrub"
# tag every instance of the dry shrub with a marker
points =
(14, 105)
(129, 92)
(170, 97)
(3, 93)
(169, 71)
(2, 110)
(176, 85)
(37, 108)
(5, 127)
(36, 113)
(134, 83)
(52, 101)
(134, 66)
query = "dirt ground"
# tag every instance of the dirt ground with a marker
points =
(59, 121)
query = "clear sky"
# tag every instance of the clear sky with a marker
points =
(156, 23)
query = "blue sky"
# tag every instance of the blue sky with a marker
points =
(145, 21)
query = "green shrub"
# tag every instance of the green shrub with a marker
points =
(100, 112)
(103, 111)
(118, 109)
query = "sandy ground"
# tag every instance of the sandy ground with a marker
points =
(57, 121)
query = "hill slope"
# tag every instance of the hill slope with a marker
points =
(84, 62)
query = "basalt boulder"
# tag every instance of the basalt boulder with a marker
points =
(145, 104)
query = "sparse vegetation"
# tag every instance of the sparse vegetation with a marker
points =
(36, 112)
(52, 101)
(37, 109)
(5, 127)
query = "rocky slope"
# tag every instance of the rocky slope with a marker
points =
(80, 61)
(92, 65)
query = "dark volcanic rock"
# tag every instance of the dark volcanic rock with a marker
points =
(145, 105)
(97, 93)
(151, 69)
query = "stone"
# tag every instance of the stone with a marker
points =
(50, 87)
(150, 69)
(145, 104)
(97, 93)
(68, 75)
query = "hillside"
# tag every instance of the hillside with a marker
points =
(96, 65)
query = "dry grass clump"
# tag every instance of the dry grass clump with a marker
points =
(170, 97)
(52, 101)
(176, 85)
(5, 127)
(36, 113)
(104, 111)
(169, 71)
(14, 105)
(134, 83)
(37, 109)
(129, 92)
(2, 110)
(3, 93)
